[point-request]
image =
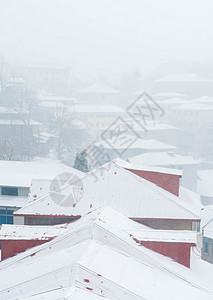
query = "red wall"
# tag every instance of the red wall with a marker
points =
(12, 247)
(180, 252)
(168, 182)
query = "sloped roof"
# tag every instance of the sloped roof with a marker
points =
(195, 106)
(96, 108)
(12, 201)
(207, 215)
(163, 159)
(190, 77)
(98, 255)
(108, 186)
(205, 182)
(99, 88)
(128, 165)
(21, 173)
(168, 95)
(23, 232)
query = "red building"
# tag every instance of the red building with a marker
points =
(18, 238)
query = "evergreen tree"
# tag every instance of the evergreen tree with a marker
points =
(80, 162)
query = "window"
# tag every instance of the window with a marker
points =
(206, 247)
(6, 216)
(9, 191)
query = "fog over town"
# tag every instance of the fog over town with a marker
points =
(106, 149)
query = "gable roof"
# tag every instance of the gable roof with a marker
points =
(21, 173)
(78, 260)
(163, 159)
(108, 186)
(128, 165)
(99, 88)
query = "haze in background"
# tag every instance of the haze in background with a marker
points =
(107, 37)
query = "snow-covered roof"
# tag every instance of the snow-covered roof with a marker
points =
(195, 106)
(139, 143)
(203, 99)
(24, 232)
(174, 101)
(108, 186)
(9, 110)
(207, 215)
(46, 65)
(12, 201)
(19, 122)
(21, 173)
(168, 95)
(175, 236)
(163, 159)
(96, 108)
(99, 88)
(54, 98)
(208, 229)
(39, 188)
(128, 165)
(99, 256)
(205, 182)
(191, 77)
(153, 126)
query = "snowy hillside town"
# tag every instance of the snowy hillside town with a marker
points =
(106, 150)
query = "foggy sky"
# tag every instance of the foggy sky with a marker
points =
(107, 36)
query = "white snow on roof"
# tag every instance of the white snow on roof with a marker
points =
(128, 165)
(208, 229)
(195, 106)
(203, 99)
(99, 88)
(207, 215)
(205, 183)
(153, 126)
(139, 143)
(191, 77)
(9, 110)
(19, 122)
(24, 232)
(96, 108)
(13, 201)
(108, 186)
(99, 255)
(54, 98)
(175, 101)
(21, 173)
(169, 95)
(176, 236)
(163, 159)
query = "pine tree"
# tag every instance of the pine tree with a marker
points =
(80, 162)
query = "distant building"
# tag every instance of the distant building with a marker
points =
(97, 117)
(205, 186)
(127, 145)
(187, 164)
(49, 77)
(99, 94)
(196, 127)
(190, 84)
(207, 233)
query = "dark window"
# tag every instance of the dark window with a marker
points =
(206, 247)
(6, 216)
(9, 191)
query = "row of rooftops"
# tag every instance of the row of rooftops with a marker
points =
(107, 186)
(100, 256)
